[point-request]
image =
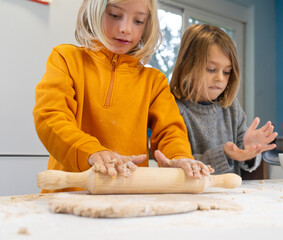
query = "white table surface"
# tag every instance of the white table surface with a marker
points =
(260, 217)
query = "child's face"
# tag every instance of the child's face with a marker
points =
(124, 23)
(216, 75)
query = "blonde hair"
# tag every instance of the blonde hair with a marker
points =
(187, 77)
(89, 31)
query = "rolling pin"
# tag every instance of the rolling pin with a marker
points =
(143, 180)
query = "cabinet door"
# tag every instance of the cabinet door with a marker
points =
(18, 175)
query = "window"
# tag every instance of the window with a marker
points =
(192, 21)
(171, 27)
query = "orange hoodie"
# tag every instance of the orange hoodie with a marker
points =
(93, 101)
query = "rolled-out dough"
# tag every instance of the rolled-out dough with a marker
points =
(118, 206)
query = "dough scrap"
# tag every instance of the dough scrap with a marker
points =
(119, 206)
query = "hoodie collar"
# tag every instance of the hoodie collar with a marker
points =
(104, 55)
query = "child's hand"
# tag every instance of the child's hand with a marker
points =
(260, 137)
(233, 152)
(111, 163)
(191, 167)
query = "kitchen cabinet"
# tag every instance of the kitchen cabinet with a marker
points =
(19, 174)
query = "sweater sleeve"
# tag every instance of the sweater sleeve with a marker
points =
(55, 117)
(169, 133)
(246, 167)
(217, 159)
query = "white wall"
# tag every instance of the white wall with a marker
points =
(29, 30)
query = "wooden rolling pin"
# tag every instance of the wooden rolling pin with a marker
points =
(144, 180)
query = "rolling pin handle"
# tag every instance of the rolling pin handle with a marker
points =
(227, 180)
(55, 179)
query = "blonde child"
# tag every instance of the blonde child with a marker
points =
(204, 82)
(95, 102)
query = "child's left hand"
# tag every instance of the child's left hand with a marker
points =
(111, 163)
(261, 137)
(191, 167)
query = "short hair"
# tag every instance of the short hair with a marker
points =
(187, 76)
(89, 30)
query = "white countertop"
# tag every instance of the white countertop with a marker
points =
(260, 217)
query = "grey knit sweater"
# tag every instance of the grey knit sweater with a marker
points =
(210, 127)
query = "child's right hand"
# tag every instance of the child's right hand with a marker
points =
(233, 152)
(111, 163)
(192, 168)
(256, 140)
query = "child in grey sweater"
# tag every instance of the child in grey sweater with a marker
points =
(204, 81)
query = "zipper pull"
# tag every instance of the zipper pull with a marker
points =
(114, 60)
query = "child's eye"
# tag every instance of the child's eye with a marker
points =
(139, 22)
(227, 73)
(211, 70)
(115, 16)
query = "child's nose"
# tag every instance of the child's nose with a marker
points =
(220, 76)
(125, 26)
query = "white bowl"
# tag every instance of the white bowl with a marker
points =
(281, 159)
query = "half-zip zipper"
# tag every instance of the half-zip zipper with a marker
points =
(111, 84)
